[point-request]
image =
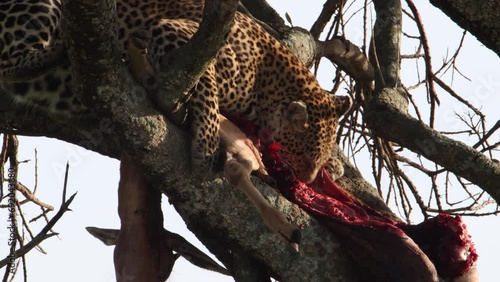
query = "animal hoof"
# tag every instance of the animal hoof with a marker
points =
(296, 236)
(295, 239)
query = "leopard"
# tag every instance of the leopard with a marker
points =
(253, 76)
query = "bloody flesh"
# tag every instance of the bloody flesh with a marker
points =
(444, 238)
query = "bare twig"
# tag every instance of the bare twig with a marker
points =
(42, 235)
(3, 160)
(428, 61)
(487, 135)
(30, 196)
(27, 228)
(36, 172)
(456, 96)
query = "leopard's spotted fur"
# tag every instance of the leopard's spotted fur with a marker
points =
(253, 75)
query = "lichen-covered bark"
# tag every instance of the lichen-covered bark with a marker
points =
(478, 17)
(386, 44)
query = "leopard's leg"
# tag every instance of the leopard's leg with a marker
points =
(144, 72)
(335, 168)
(204, 108)
(205, 124)
(27, 65)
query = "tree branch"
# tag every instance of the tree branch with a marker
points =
(87, 131)
(261, 10)
(324, 17)
(478, 17)
(386, 37)
(30, 196)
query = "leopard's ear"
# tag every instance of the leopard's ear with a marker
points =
(296, 115)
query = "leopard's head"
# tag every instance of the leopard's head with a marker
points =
(308, 133)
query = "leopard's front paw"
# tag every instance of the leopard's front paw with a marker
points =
(335, 168)
(206, 166)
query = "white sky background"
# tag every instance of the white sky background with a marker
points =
(77, 256)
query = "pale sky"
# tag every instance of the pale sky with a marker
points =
(77, 256)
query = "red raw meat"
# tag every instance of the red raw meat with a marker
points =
(369, 234)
